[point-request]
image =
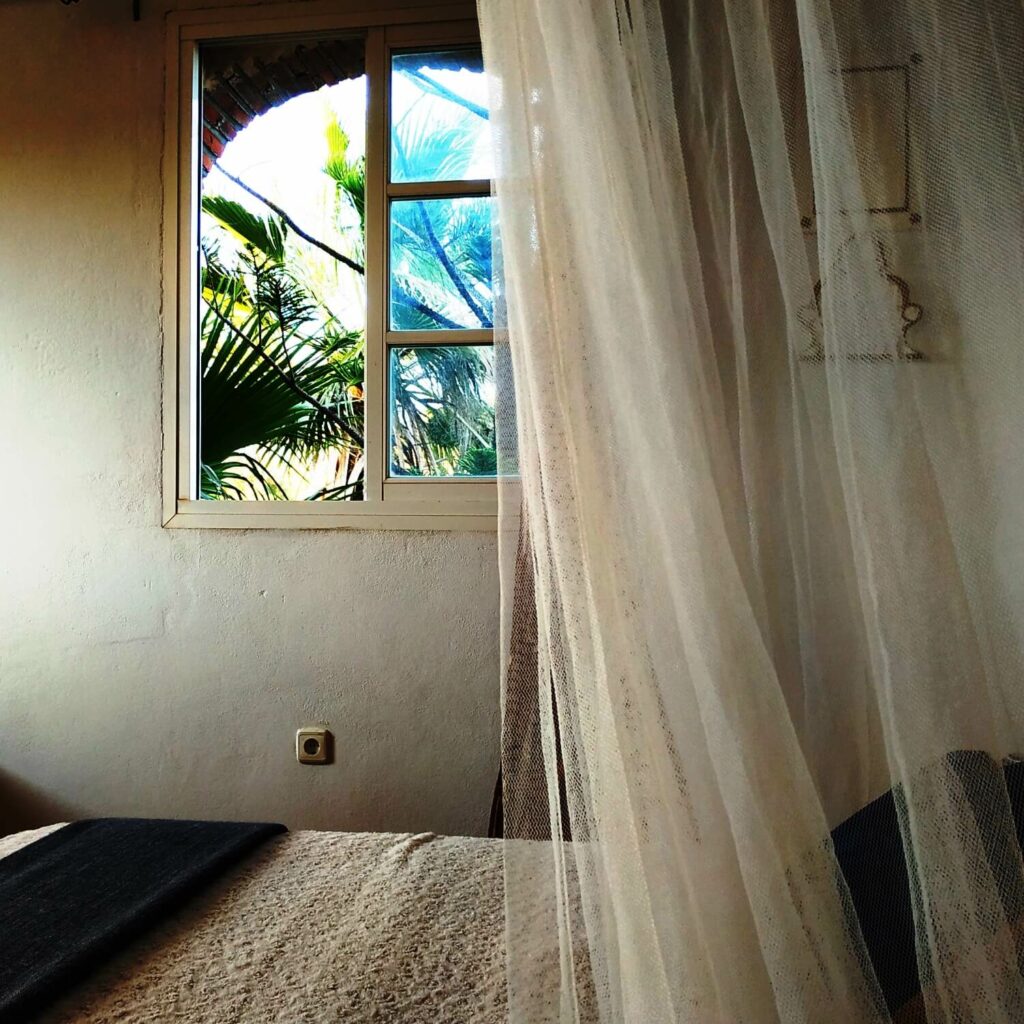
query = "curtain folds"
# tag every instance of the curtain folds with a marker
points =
(763, 499)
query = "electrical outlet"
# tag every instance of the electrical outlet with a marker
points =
(313, 745)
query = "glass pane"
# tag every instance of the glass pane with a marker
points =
(441, 264)
(442, 411)
(282, 319)
(439, 122)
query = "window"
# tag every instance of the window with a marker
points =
(329, 300)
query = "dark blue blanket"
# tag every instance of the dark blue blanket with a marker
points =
(77, 896)
(870, 850)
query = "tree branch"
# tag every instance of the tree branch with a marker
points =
(403, 298)
(446, 94)
(270, 204)
(449, 267)
(402, 295)
(469, 426)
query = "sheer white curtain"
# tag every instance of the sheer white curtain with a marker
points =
(763, 527)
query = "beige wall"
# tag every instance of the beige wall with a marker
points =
(153, 672)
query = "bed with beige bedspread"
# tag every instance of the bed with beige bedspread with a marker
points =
(319, 926)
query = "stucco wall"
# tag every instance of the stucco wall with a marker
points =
(147, 671)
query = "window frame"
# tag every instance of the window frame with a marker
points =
(389, 503)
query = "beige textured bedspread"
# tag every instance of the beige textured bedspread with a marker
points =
(321, 926)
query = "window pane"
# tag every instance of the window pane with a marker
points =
(442, 411)
(282, 320)
(441, 264)
(439, 123)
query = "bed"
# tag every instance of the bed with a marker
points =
(315, 926)
(378, 928)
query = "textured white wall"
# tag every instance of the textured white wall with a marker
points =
(153, 672)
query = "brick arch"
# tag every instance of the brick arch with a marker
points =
(242, 82)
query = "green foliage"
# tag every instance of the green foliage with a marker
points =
(349, 175)
(445, 427)
(264, 234)
(275, 387)
(441, 259)
(418, 143)
(282, 374)
(478, 462)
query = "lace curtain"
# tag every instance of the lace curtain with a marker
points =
(761, 421)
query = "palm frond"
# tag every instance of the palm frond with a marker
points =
(350, 175)
(265, 234)
(478, 462)
(423, 149)
(253, 412)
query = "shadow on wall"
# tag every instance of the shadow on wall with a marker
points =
(22, 806)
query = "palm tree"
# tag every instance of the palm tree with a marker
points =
(282, 375)
(281, 378)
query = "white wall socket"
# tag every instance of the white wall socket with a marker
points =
(313, 745)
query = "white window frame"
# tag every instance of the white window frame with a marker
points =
(389, 503)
